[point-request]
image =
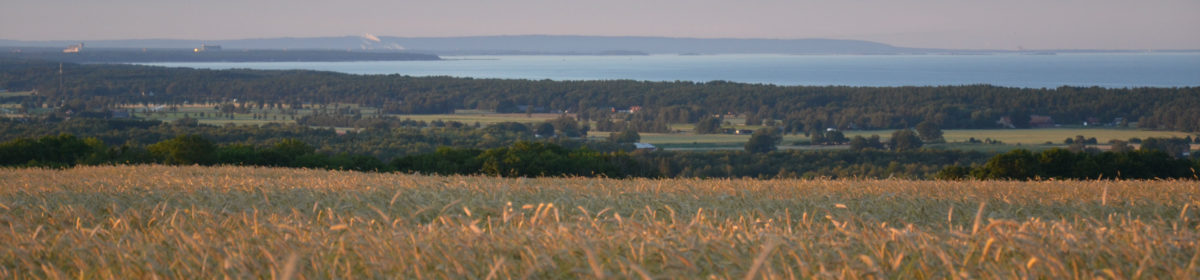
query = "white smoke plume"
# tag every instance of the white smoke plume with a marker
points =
(371, 42)
(370, 37)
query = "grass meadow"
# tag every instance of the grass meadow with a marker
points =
(154, 221)
(15, 93)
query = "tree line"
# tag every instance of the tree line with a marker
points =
(384, 139)
(606, 159)
(66, 150)
(516, 149)
(1064, 164)
(520, 159)
(796, 109)
(436, 147)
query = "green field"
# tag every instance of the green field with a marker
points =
(15, 93)
(147, 222)
(10, 108)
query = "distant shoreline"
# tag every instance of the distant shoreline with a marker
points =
(1108, 70)
(546, 45)
(125, 55)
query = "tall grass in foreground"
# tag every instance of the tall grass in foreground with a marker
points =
(244, 222)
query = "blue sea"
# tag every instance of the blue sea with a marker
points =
(1112, 70)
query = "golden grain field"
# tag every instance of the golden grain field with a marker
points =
(142, 222)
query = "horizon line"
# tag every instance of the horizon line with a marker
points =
(599, 36)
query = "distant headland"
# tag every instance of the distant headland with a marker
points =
(375, 48)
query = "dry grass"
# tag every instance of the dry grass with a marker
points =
(241, 222)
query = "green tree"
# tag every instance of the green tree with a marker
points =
(1172, 146)
(1119, 146)
(904, 140)
(1056, 163)
(501, 128)
(56, 151)
(1016, 164)
(835, 137)
(764, 140)
(567, 126)
(186, 121)
(930, 132)
(526, 159)
(818, 137)
(506, 106)
(859, 143)
(287, 152)
(357, 163)
(1020, 119)
(445, 161)
(953, 172)
(185, 149)
(626, 136)
(545, 129)
(239, 154)
(708, 125)
(754, 119)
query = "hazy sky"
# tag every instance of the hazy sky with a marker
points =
(978, 24)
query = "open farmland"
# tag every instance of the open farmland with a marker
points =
(243, 222)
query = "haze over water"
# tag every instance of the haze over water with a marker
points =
(1114, 70)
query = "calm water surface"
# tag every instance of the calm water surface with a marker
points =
(1014, 70)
